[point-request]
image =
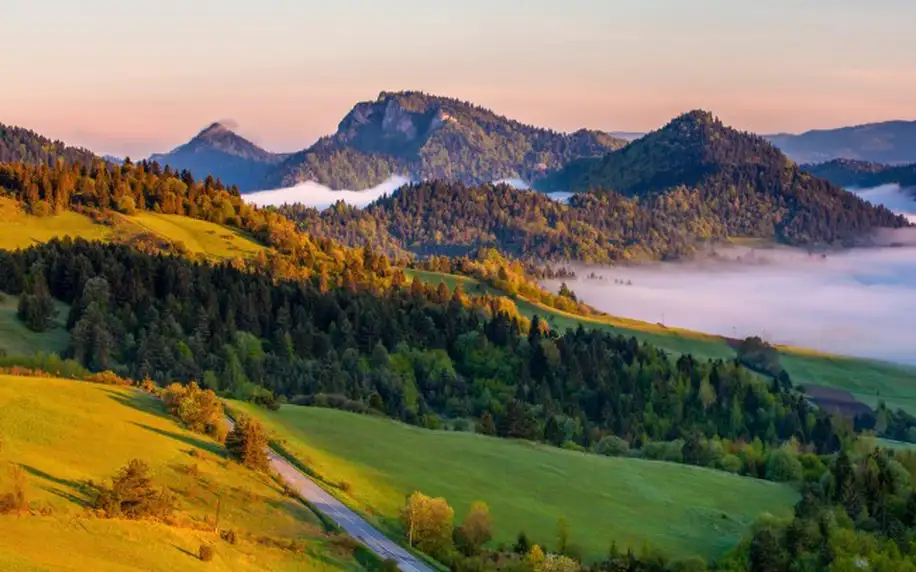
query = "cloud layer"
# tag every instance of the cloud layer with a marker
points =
(321, 197)
(859, 302)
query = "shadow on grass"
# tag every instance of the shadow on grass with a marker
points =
(140, 402)
(77, 492)
(188, 552)
(298, 511)
(204, 444)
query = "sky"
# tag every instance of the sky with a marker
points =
(131, 77)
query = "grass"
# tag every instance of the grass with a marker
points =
(199, 237)
(65, 433)
(868, 380)
(21, 230)
(15, 338)
(680, 509)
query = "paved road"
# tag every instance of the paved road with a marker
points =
(343, 516)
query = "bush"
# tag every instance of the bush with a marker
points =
(109, 378)
(783, 466)
(206, 552)
(133, 496)
(229, 536)
(126, 205)
(199, 409)
(612, 446)
(16, 499)
(573, 446)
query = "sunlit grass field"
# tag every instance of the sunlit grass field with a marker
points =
(679, 509)
(65, 433)
(199, 237)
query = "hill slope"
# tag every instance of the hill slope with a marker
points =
(225, 155)
(431, 137)
(65, 433)
(19, 144)
(748, 185)
(681, 510)
(885, 142)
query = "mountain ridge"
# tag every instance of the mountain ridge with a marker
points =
(425, 136)
(219, 151)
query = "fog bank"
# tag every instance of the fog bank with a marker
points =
(859, 302)
(321, 197)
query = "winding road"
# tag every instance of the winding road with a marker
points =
(348, 520)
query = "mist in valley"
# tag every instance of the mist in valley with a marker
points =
(859, 302)
(321, 197)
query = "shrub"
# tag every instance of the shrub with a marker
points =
(229, 536)
(612, 446)
(133, 496)
(108, 378)
(345, 486)
(16, 499)
(199, 409)
(783, 466)
(125, 204)
(42, 209)
(206, 552)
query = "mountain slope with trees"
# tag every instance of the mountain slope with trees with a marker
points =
(748, 185)
(223, 154)
(18, 144)
(863, 174)
(430, 137)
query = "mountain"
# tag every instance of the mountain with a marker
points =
(430, 137)
(19, 144)
(222, 153)
(863, 174)
(743, 181)
(885, 142)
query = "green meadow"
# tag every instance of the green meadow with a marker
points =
(373, 463)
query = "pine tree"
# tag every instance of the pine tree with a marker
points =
(36, 307)
(247, 443)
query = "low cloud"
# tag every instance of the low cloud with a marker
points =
(859, 302)
(321, 197)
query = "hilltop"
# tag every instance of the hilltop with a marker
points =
(222, 153)
(19, 144)
(883, 142)
(431, 137)
(737, 179)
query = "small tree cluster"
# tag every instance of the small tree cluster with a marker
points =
(428, 522)
(199, 409)
(247, 443)
(133, 495)
(36, 307)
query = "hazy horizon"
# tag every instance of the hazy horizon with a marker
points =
(286, 72)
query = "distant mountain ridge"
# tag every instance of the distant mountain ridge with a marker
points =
(23, 145)
(431, 137)
(739, 179)
(222, 153)
(884, 142)
(863, 174)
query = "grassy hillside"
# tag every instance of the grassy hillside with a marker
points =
(64, 433)
(867, 380)
(199, 237)
(680, 509)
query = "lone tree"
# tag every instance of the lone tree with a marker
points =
(429, 523)
(132, 495)
(247, 443)
(36, 307)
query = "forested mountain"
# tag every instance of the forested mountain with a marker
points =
(18, 144)
(745, 183)
(439, 218)
(227, 156)
(430, 137)
(862, 174)
(885, 142)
